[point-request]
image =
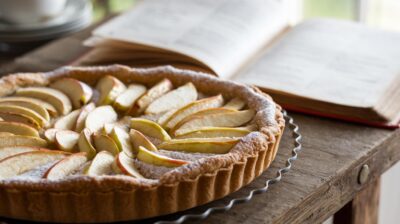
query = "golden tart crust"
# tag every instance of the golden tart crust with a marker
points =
(117, 198)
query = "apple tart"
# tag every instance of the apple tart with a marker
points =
(113, 143)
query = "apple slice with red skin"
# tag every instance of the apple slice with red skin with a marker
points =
(57, 98)
(122, 140)
(151, 95)
(104, 142)
(66, 140)
(138, 139)
(127, 98)
(50, 135)
(191, 108)
(85, 143)
(96, 119)
(173, 99)
(13, 150)
(228, 119)
(66, 166)
(101, 164)
(150, 157)
(80, 121)
(68, 121)
(78, 92)
(126, 165)
(109, 88)
(23, 162)
(149, 128)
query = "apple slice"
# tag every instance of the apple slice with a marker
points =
(80, 121)
(161, 118)
(85, 143)
(105, 143)
(66, 166)
(109, 88)
(126, 99)
(229, 119)
(13, 117)
(100, 116)
(50, 108)
(66, 140)
(174, 99)
(150, 157)
(191, 108)
(30, 105)
(22, 162)
(202, 145)
(138, 139)
(126, 165)
(122, 139)
(211, 111)
(149, 128)
(202, 113)
(108, 128)
(78, 92)
(101, 164)
(153, 117)
(5, 134)
(13, 150)
(58, 99)
(123, 123)
(152, 94)
(67, 122)
(235, 103)
(19, 140)
(213, 132)
(24, 111)
(18, 128)
(50, 135)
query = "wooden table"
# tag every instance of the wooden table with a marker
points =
(330, 177)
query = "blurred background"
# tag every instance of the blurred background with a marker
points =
(19, 37)
(379, 13)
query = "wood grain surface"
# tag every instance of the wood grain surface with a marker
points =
(363, 209)
(322, 180)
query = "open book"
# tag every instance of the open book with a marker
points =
(326, 67)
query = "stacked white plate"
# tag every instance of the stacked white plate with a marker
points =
(14, 37)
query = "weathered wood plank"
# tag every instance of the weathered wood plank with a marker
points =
(363, 209)
(324, 178)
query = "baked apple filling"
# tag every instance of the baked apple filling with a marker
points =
(70, 128)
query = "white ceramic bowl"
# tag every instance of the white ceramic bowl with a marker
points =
(30, 11)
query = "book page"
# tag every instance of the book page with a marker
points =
(333, 61)
(222, 34)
